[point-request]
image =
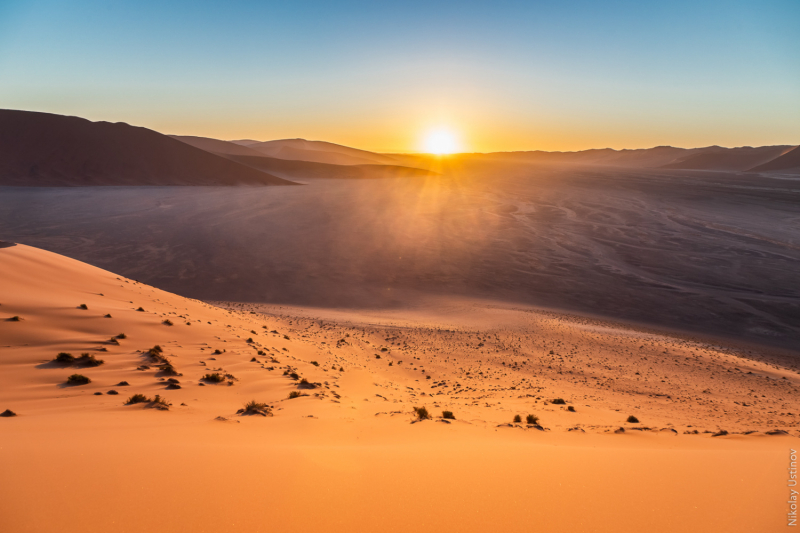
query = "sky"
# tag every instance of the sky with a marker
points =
(500, 75)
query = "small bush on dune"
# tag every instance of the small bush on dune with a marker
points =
(160, 403)
(256, 408)
(633, 420)
(83, 306)
(314, 363)
(122, 336)
(88, 360)
(65, 358)
(571, 409)
(137, 398)
(295, 394)
(15, 318)
(448, 415)
(168, 369)
(559, 401)
(167, 322)
(422, 413)
(517, 419)
(216, 377)
(78, 379)
(532, 420)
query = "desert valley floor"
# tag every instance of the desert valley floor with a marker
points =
(710, 450)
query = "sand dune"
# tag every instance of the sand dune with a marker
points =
(739, 159)
(300, 169)
(708, 158)
(216, 146)
(319, 456)
(789, 162)
(320, 152)
(41, 149)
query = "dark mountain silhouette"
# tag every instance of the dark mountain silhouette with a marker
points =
(43, 149)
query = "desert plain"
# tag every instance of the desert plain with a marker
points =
(480, 344)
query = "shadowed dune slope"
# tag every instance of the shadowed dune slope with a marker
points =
(788, 162)
(42, 149)
(320, 152)
(216, 146)
(290, 168)
(308, 169)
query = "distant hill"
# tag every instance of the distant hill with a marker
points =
(216, 146)
(297, 168)
(43, 149)
(309, 169)
(788, 162)
(666, 157)
(736, 159)
(320, 152)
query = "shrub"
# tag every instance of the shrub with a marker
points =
(571, 409)
(167, 368)
(559, 401)
(217, 352)
(633, 420)
(261, 352)
(122, 336)
(160, 403)
(216, 377)
(107, 315)
(256, 408)
(314, 363)
(295, 394)
(141, 310)
(8, 413)
(167, 322)
(422, 413)
(88, 360)
(532, 420)
(83, 306)
(15, 318)
(341, 369)
(517, 419)
(448, 415)
(78, 379)
(65, 358)
(137, 398)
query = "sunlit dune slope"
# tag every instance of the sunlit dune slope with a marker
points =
(348, 452)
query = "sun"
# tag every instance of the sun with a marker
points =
(441, 142)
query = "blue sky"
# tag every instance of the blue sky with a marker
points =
(504, 75)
